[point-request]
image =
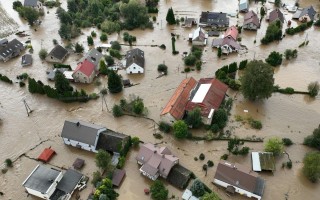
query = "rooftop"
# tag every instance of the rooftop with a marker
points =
(58, 52)
(86, 67)
(69, 181)
(135, 56)
(263, 161)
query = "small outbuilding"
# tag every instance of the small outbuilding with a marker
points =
(243, 6)
(26, 60)
(263, 161)
(78, 163)
(46, 155)
(118, 176)
(135, 61)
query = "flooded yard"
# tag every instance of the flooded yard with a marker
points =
(292, 116)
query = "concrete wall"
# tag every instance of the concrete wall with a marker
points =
(134, 69)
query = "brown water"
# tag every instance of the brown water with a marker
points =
(292, 116)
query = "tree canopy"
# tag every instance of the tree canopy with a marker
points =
(114, 82)
(62, 84)
(180, 129)
(197, 188)
(210, 196)
(311, 168)
(314, 139)
(274, 58)
(194, 118)
(158, 191)
(170, 17)
(103, 159)
(105, 191)
(257, 80)
(274, 145)
(274, 32)
(313, 88)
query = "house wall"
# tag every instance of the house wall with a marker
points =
(250, 26)
(238, 190)
(149, 176)
(50, 58)
(134, 69)
(306, 16)
(199, 43)
(82, 78)
(80, 145)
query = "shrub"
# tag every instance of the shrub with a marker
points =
(180, 129)
(163, 68)
(138, 106)
(54, 41)
(274, 59)
(5, 79)
(90, 40)
(197, 188)
(21, 84)
(314, 139)
(116, 45)
(232, 67)
(135, 142)
(43, 54)
(204, 167)
(311, 168)
(214, 128)
(103, 37)
(287, 141)
(289, 164)
(109, 60)
(154, 18)
(202, 156)
(243, 64)
(190, 60)
(195, 158)
(8, 162)
(117, 111)
(122, 161)
(115, 53)
(210, 163)
(164, 127)
(93, 34)
(158, 191)
(163, 46)
(224, 157)
(274, 145)
(187, 69)
(255, 124)
(274, 32)
(96, 177)
(313, 88)
(198, 65)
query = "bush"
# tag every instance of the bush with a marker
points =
(122, 161)
(5, 79)
(274, 32)
(158, 191)
(8, 162)
(117, 111)
(224, 157)
(210, 163)
(287, 141)
(198, 65)
(43, 54)
(115, 53)
(289, 164)
(195, 158)
(274, 145)
(190, 60)
(314, 139)
(109, 60)
(138, 106)
(197, 188)
(90, 40)
(243, 64)
(116, 45)
(103, 37)
(313, 88)
(54, 41)
(202, 156)
(135, 142)
(164, 127)
(255, 124)
(214, 128)
(300, 28)
(180, 129)
(204, 167)
(78, 48)
(232, 67)
(93, 34)
(21, 84)
(96, 177)
(274, 59)
(154, 18)
(311, 168)
(163, 68)
(163, 46)
(288, 54)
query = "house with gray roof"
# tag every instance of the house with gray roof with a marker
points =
(305, 15)
(51, 183)
(135, 61)
(11, 50)
(33, 4)
(3, 42)
(243, 6)
(57, 55)
(94, 57)
(26, 60)
(215, 20)
(81, 134)
(155, 161)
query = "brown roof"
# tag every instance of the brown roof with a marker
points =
(251, 17)
(118, 176)
(276, 14)
(212, 99)
(239, 176)
(179, 99)
(232, 32)
(156, 160)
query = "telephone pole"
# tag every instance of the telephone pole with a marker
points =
(28, 109)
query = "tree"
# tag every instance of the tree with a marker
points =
(138, 106)
(219, 54)
(163, 68)
(288, 54)
(170, 17)
(190, 60)
(65, 31)
(210, 196)
(116, 45)
(313, 88)
(117, 111)
(274, 32)
(274, 145)
(105, 189)
(135, 142)
(197, 188)
(103, 68)
(114, 82)
(8, 162)
(110, 27)
(277, 3)
(109, 60)
(234, 147)
(164, 127)
(180, 129)
(311, 167)
(93, 34)
(194, 118)
(96, 177)
(16, 4)
(103, 160)
(103, 37)
(257, 80)
(78, 48)
(274, 58)
(90, 40)
(220, 118)
(262, 12)
(43, 54)
(314, 139)
(31, 14)
(62, 84)
(158, 191)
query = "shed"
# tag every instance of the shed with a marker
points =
(262, 161)
(186, 195)
(26, 60)
(46, 155)
(118, 176)
(78, 163)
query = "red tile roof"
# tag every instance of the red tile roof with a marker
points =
(232, 32)
(179, 99)
(46, 155)
(212, 99)
(85, 67)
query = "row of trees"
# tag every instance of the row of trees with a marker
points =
(273, 33)
(135, 106)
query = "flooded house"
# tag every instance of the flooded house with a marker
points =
(189, 22)
(207, 94)
(199, 37)
(237, 178)
(243, 6)
(251, 21)
(26, 60)
(36, 4)
(94, 57)
(51, 183)
(155, 161)
(275, 15)
(215, 20)
(135, 61)
(305, 15)
(57, 55)
(11, 49)
(3, 42)
(85, 72)
(228, 43)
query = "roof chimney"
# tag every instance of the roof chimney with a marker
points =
(78, 124)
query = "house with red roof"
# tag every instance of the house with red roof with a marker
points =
(232, 32)
(207, 94)
(228, 43)
(251, 21)
(85, 72)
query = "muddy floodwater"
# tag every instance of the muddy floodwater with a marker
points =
(292, 116)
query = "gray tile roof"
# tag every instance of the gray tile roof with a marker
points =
(41, 178)
(58, 52)
(32, 3)
(81, 131)
(12, 49)
(214, 19)
(135, 56)
(308, 11)
(69, 181)
(243, 5)
(93, 56)
(26, 60)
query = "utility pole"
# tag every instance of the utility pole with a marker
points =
(28, 109)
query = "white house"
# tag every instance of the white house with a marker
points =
(198, 37)
(237, 178)
(85, 72)
(42, 181)
(81, 134)
(135, 61)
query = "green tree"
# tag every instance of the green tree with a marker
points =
(164, 127)
(31, 15)
(109, 60)
(16, 4)
(220, 118)
(262, 12)
(105, 188)
(103, 37)
(210, 196)
(234, 147)
(313, 88)
(274, 58)
(219, 54)
(194, 118)
(110, 27)
(43, 54)
(180, 129)
(158, 191)
(8, 162)
(170, 17)
(93, 34)
(274, 32)
(62, 84)
(314, 139)
(311, 167)
(274, 145)
(114, 82)
(103, 160)
(190, 60)
(96, 177)
(78, 48)
(65, 31)
(197, 188)
(117, 111)
(90, 40)
(277, 3)
(135, 142)
(257, 80)
(116, 45)
(115, 53)
(163, 68)
(138, 106)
